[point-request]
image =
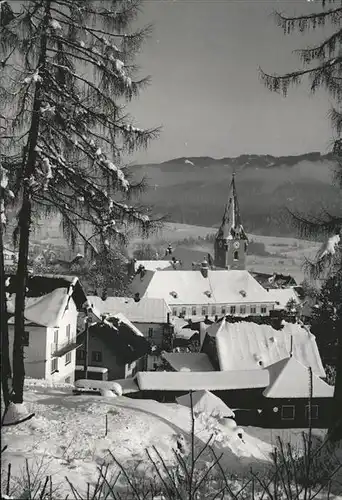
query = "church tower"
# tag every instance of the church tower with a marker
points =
(231, 240)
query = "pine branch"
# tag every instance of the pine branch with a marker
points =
(307, 21)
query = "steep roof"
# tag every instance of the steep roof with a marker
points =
(191, 287)
(274, 280)
(290, 379)
(206, 401)
(231, 225)
(39, 285)
(249, 346)
(189, 361)
(193, 381)
(147, 310)
(46, 310)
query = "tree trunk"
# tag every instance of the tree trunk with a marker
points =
(29, 162)
(5, 355)
(335, 430)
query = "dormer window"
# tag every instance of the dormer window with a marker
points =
(208, 293)
(243, 293)
(174, 294)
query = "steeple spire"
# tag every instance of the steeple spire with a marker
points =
(231, 226)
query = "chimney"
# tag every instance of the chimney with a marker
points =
(137, 297)
(168, 318)
(204, 269)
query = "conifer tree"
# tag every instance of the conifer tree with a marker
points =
(322, 67)
(67, 72)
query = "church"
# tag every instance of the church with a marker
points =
(210, 285)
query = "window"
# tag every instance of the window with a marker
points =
(174, 311)
(194, 311)
(288, 412)
(263, 310)
(314, 412)
(204, 311)
(67, 333)
(26, 339)
(54, 365)
(183, 311)
(223, 310)
(96, 356)
(253, 310)
(68, 358)
(242, 310)
(213, 310)
(150, 332)
(55, 336)
(80, 354)
(232, 309)
(236, 255)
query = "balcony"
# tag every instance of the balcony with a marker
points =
(60, 350)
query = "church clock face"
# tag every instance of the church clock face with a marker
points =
(236, 244)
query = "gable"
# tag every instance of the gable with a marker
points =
(291, 379)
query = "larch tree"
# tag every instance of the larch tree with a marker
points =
(67, 73)
(321, 67)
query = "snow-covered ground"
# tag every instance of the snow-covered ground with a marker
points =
(66, 437)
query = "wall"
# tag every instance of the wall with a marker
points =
(109, 360)
(158, 329)
(212, 310)
(35, 353)
(64, 371)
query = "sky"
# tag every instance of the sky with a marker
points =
(203, 58)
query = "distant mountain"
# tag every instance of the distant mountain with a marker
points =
(194, 190)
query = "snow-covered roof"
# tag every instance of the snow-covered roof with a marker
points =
(249, 346)
(211, 381)
(122, 319)
(147, 310)
(189, 361)
(206, 401)
(46, 310)
(282, 296)
(191, 287)
(290, 379)
(152, 265)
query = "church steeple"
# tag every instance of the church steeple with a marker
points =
(231, 239)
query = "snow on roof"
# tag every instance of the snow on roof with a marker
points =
(211, 381)
(283, 296)
(152, 265)
(249, 346)
(191, 287)
(122, 319)
(46, 310)
(207, 402)
(147, 310)
(191, 361)
(290, 379)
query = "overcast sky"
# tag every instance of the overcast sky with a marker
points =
(203, 58)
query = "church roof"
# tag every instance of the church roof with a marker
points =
(249, 346)
(290, 379)
(192, 288)
(231, 225)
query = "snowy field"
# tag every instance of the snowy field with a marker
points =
(66, 437)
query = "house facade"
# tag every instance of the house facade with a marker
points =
(50, 327)
(116, 345)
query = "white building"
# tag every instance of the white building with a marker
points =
(50, 327)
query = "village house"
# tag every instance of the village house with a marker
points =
(150, 315)
(116, 345)
(51, 311)
(10, 259)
